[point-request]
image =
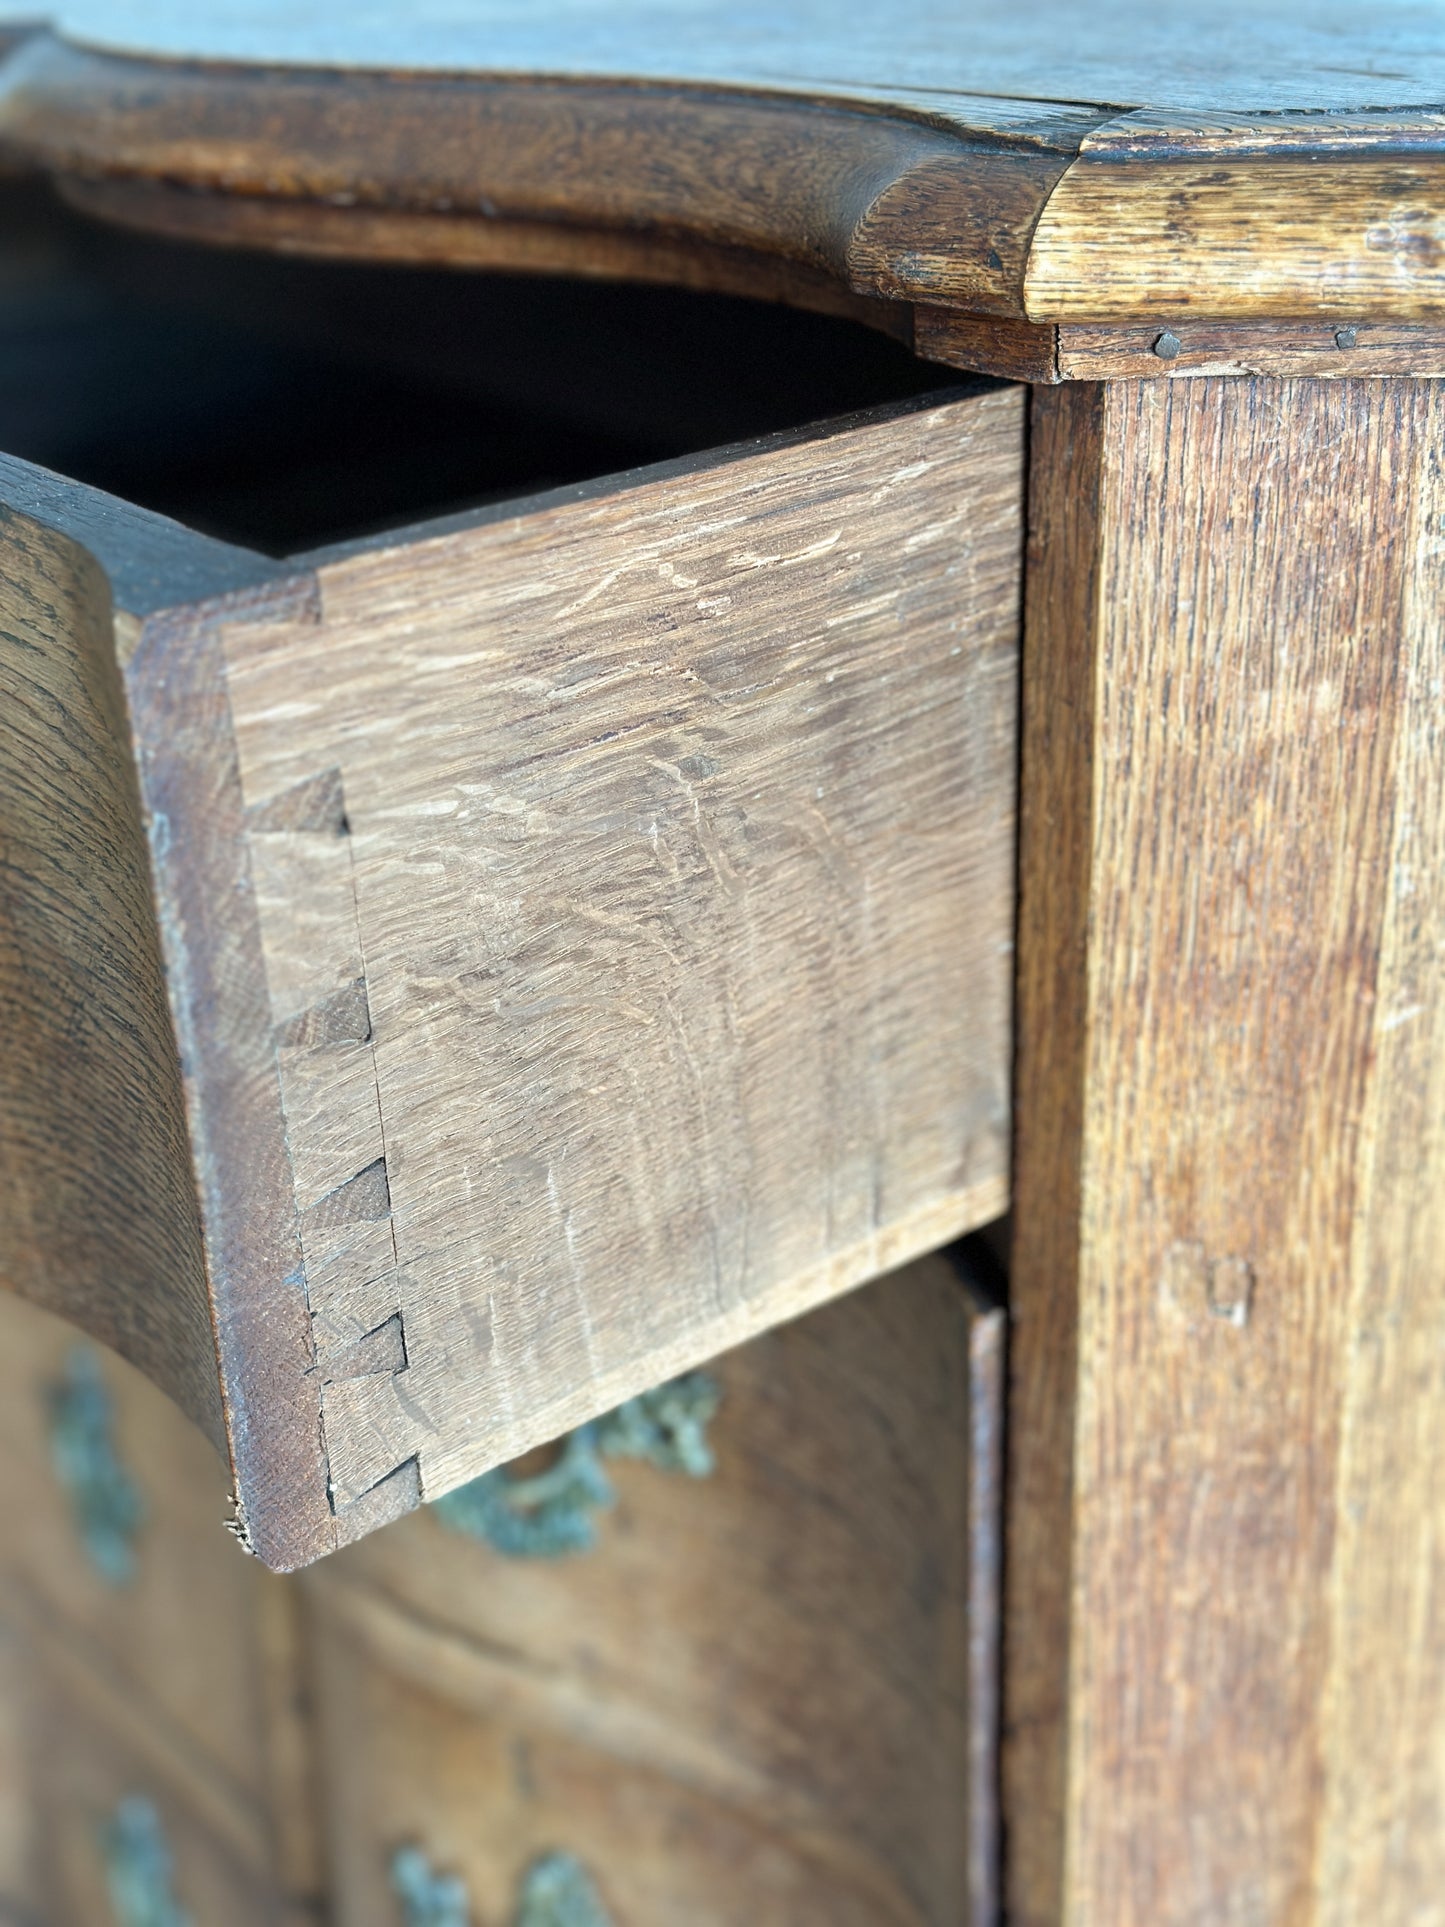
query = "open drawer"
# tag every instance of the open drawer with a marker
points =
(457, 979)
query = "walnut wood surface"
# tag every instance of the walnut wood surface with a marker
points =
(754, 1700)
(1225, 1700)
(953, 163)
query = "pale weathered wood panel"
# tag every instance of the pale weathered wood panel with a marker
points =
(791, 1662)
(1355, 236)
(679, 829)
(1224, 1567)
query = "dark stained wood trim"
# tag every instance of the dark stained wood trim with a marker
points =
(406, 237)
(1053, 215)
(1169, 348)
(883, 202)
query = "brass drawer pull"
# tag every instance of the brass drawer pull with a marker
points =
(556, 1891)
(548, 1514)
(103, 1497)
(138, 1868)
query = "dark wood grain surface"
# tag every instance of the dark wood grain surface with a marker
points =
(1043, 162)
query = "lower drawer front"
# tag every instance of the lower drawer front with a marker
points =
(120, 1829)
(112, 1514)
(133, 1632)
(760, 1697)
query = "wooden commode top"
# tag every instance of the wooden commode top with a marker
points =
(1040, 190)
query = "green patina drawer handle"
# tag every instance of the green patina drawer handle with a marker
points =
(103, 1496)
(556, 1891)
(551, 1513)
(138, 1868)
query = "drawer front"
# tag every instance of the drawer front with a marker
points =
(124, 1831)
(131, 1552)
(19, 1869)
(587, 926)
(762, 1695)
(116, 1568)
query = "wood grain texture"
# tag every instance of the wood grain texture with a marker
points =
(938, 195)
(657, 968)
(1227, 1161)
(753, 1700)
(99, 1204)
(1356, 233)
(1049, 352)
(471, 1153)
(112, 683)
(1055, 819)
(673, 154)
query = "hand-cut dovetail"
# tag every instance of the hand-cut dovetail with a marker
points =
(390, 1498)
(342, 1018)
(315, 806)
(379, 1351)
(361, 1200)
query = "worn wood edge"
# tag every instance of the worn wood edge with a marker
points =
(910, 1237)
(1246, 216)
(1061, 214)
(150, 561)
(210, 935)
(403, 237)
(170, 587)
(1061, 594)
(884, 199)
(1050, 352)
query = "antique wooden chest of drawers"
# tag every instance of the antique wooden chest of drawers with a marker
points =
(653, 661)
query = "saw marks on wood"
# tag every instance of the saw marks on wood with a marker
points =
(634, 874)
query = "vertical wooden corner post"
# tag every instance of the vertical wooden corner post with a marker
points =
(1225, 1688)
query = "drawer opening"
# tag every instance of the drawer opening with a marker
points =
(284, 404)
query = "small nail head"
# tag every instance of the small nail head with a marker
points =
(1347, 337)
(1167, 346)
